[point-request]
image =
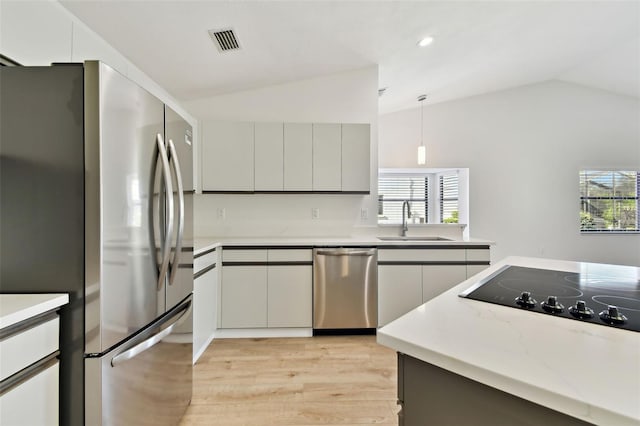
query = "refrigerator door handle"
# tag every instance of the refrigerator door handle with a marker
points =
(166, 246)
(132, 352)
(173, 157)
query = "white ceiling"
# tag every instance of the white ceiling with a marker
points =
(480, 46)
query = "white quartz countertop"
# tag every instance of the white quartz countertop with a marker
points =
(205, 244)
(15, 308)
(588, 371)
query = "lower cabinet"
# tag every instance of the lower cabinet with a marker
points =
(29, 366)
(244, 297)
(399, 291)
(274, 292)
(205, 302)
(436, 279)
(430, 395)
(289, 295)
(408, 278)
(33, 402)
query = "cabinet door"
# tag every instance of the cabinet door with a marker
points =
(244, 297)
(355, 157)
(399, 291)
(474, 269)
(289, 296)
(436, 279)
(227, 156)
(298, 154)
(205, 295)
(269, 157)
(33, 402)
(327, 154)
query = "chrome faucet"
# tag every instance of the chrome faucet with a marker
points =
(405, 226)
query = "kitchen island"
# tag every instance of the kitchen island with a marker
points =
(590, 373)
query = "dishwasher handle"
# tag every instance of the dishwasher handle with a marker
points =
(346, 252)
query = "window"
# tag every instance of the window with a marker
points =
(435, 195)
(448, 198)
(394, 189)
(609, 201)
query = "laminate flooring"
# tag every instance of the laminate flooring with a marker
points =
(322, 380)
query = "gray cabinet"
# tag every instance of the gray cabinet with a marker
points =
(430, 395)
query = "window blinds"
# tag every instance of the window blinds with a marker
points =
(609, 201)
(393, 190)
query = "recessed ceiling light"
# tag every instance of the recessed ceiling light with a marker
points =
(425, 41)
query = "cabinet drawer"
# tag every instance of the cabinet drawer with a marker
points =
(478, 255)
(421, 255)
(23, 349)
(201, 262)
(33, 402)
(231, 255)
(290, 255)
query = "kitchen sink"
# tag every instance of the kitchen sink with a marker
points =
(413, 238)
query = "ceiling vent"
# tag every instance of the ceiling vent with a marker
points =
(225, 40)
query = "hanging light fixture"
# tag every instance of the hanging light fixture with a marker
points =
(422, 150)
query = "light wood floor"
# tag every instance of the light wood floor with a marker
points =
(337, 380)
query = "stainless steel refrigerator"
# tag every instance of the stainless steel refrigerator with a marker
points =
(96, 196)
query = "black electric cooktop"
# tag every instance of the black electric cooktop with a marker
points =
(598, 295)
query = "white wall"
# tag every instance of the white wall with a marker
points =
(42, 32)
(349, 97)
(524, 148)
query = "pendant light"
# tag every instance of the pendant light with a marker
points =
(422, 150)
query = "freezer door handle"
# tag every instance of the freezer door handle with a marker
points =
(345, 252)
(137, 349)
(166, 245)
(173, 158)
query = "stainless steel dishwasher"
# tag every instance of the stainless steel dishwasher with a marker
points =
(345, 289)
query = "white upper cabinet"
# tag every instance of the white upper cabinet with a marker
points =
(227, 156)
(298, 154)
(356, 157)
(35, 33)
(285, 157)
(327, 154)
(269, 147)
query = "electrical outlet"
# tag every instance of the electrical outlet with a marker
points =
(364, 214)
(315, 213)
(222, 213)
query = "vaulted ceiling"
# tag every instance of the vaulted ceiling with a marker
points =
(479, 46)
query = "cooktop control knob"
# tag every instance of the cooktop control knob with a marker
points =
(580, 310)
(612, 316)
(526, 301)
(552, 306)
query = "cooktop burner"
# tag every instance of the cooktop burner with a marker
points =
(599, 294)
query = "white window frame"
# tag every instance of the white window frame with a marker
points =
(433, 203)
(585, 198)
